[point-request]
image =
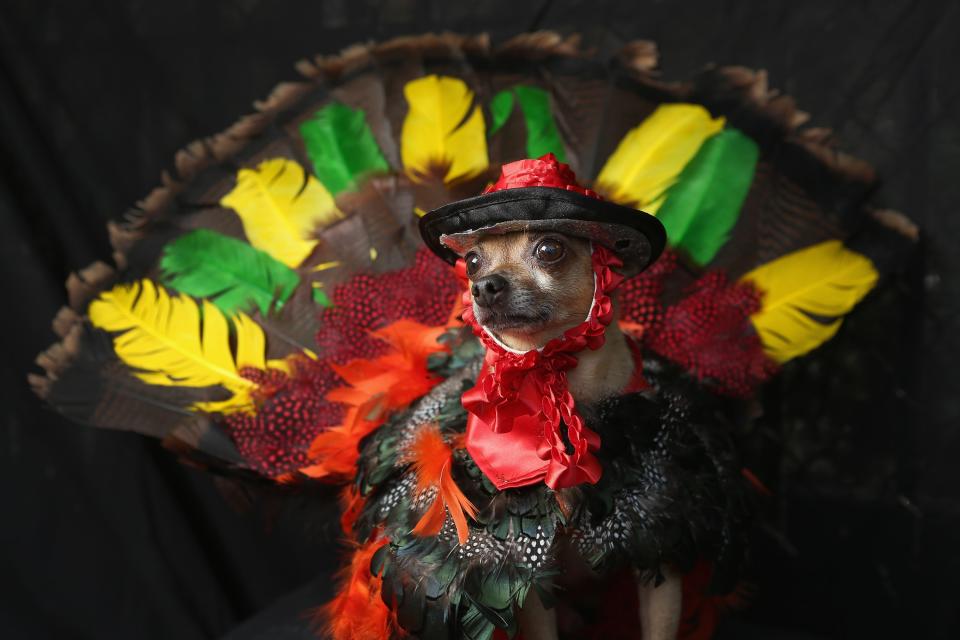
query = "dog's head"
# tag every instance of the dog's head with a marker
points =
(530, 287)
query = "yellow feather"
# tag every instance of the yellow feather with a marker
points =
(443, 133)
(806, 293)
(251, 343)
(281, 207)
(650, 157)
(165, 341)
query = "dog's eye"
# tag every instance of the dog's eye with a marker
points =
(473, 262)
(549, 250)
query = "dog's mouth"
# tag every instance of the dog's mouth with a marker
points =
(502, 321)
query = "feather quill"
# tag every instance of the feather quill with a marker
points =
(651, 156)
(443, 133)
(341, 147)
(229, 272)
(281, 208)
(702, 206)
(171, 341)
(806, 293)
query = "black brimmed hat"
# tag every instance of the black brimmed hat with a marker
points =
(542, 195)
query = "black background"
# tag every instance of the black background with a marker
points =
(104, 535)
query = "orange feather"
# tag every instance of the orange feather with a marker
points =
(358, 612)
(375, 388)
(351, 504)
(432, 520)
(401, 375)
(430, 457)
(335, 450)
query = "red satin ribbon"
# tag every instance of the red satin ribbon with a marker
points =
(521, 401)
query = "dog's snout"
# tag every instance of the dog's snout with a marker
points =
(487, 290)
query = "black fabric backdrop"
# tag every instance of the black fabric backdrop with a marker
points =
(103, 535)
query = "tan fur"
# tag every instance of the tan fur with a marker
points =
(567, 288)
(660, 607)
(569, 284)
(536, 621)
(602, 373)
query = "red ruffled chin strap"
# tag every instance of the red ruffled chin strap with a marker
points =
(523, 426)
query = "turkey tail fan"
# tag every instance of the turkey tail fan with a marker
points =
(805, 190)
(86, 382)
(280, 246)
(712, 185)
(886, 237)
(581, 92)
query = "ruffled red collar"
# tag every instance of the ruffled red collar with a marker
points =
(523, 425)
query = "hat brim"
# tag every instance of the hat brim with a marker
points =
(635, 236)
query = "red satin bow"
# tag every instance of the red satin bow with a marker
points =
(521, 402)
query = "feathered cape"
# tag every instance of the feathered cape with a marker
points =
(671, 494)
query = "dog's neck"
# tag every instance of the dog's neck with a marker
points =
(602, 373)
(599, 374)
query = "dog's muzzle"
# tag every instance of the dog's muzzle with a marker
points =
(489, 290)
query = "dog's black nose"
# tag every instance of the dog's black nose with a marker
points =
(487, 290)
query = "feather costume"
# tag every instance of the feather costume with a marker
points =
(272, 315)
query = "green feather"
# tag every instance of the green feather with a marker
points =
(229, 272)
(704, 203)
(473, 624)
(321, 298)
(501, 106)
(542, 134)
(341, 147)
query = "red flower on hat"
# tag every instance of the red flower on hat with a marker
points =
(545, 171)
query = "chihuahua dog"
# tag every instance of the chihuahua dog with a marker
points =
(528, 288)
